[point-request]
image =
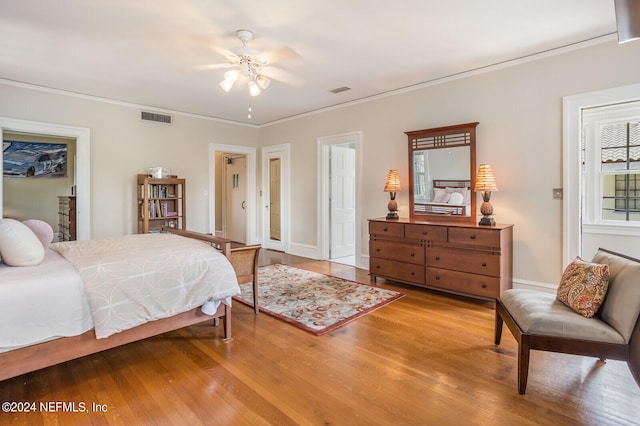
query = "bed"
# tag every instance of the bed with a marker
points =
(448, 197)
(74, 303)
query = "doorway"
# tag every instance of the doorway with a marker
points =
(339, 156)
(82, 137)
(218, 182)
(275, 194)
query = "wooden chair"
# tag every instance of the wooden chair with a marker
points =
(244, 260)
(539, 321)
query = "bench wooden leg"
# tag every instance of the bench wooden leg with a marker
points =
(497, 328)
(524, 348)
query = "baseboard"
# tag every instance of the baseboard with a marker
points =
(534, 285)
(304, 250)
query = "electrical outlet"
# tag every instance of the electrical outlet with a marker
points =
(557, 193)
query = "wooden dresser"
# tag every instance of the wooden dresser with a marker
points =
(466, 259)
(67, 218)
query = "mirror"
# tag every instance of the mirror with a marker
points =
(442, 163)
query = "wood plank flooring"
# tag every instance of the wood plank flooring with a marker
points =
(427, 358)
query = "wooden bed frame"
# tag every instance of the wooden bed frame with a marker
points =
(35, 357)
(443, 209)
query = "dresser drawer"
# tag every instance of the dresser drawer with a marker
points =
(402, 252)
(475, 262)
(460, 282)
(388, 229)
(475, 236)
(397, 270)
(425, 232)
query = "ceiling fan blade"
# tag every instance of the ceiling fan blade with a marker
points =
(278, 55)
(279, 74)
(627, 20)
(206, 67)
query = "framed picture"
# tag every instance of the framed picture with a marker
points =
(34, 159)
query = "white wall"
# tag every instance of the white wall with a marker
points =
(123, 145)
(520, 134)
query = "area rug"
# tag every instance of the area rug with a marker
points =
(314, 302)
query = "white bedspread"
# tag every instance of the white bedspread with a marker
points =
(133, 279)
(40, 303)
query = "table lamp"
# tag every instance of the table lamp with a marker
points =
(392, 185)
(486, 183)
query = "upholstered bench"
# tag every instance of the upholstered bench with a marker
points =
(539, 321)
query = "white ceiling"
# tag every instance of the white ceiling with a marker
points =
(146, 51)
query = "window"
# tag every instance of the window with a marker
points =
(419, 176)
(611, 165)
(620, 168)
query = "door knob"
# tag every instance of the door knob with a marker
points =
(244, 205)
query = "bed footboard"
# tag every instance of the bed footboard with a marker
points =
(35, 357)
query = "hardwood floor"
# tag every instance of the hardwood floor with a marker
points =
(427, 358)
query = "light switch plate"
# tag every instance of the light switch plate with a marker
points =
(557, 193)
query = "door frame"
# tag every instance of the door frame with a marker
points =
(250, 153)
(82, 181)
(324, 191)
(282, 152)
(571, 153)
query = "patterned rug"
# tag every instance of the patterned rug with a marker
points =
(311, 301)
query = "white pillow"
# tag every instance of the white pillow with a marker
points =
(440, 195)
(19, 245)
(42, 229)
(456, 198)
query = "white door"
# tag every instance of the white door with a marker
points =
(342, 210)
(236, 198)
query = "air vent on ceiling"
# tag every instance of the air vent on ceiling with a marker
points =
(340, 89)
(152, 116)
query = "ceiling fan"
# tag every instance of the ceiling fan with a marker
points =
(627, 20)
(246, 63)
(251, 66)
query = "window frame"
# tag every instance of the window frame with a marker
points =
(592, 174)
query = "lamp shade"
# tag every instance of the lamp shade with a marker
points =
(485, 180)
(393, 181)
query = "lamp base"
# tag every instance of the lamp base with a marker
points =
(487, 221)
(392, 215)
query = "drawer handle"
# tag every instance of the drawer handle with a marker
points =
(484, 285)
(377, 266)
(484, 264)
(425, 233)
(437, 257)
(413, 274)
(473, 237)
(385, 229)
(412, 255)
(437, 277)
(378, 250)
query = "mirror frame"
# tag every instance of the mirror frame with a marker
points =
(439, 136)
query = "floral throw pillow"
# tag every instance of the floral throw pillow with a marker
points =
(583, 286)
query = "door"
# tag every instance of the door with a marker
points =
(342, 201)
(275, 194)
(236, 198)
(274, 199)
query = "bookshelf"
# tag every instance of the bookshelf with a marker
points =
(161, 202)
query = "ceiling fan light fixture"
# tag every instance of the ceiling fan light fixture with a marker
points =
(263, 81)
(226, 85)
(254, 90)
(231, 76)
